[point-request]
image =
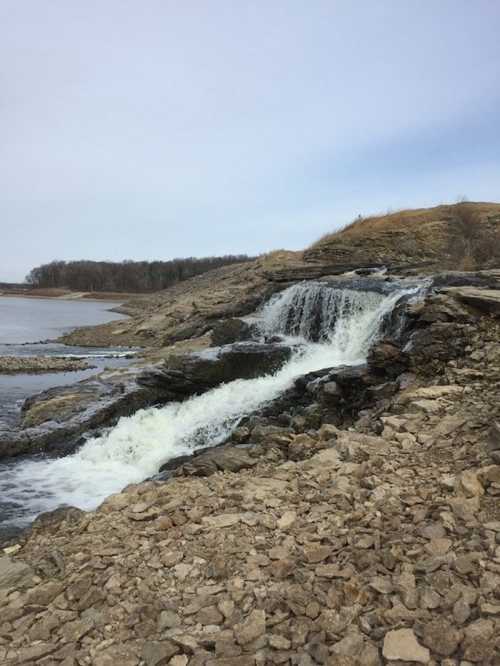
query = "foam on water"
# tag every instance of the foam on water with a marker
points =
(344, 322)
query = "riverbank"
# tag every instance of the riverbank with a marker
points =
(66, 294)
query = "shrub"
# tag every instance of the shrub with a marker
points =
(474, 242)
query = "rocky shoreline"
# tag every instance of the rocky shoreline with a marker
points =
(10, 365)
(373, 541)
(354, 520)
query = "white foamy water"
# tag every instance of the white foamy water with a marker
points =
(346, 323)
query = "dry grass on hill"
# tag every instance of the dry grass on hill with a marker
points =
(466, 235)
(408, 219)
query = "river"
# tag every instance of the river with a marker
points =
(26, 327)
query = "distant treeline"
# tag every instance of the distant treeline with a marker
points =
(126, 276)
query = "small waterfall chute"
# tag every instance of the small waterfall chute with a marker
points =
(312, 310)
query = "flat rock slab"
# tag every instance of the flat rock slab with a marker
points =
(227, 459)
(402, 644)
(486, 300)
(431, 393)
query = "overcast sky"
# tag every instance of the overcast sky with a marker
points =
(157, 128)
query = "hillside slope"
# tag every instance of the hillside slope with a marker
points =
(465, 235)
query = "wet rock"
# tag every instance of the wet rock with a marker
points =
(189, 374)
(228, 331)
(240, 435)
(387, 358)
(439, 343)
(51, 520)
(54, 419)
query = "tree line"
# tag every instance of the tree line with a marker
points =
(125, 276)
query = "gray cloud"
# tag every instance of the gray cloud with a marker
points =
(160, 129)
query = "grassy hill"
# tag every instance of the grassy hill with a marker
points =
(462, 236)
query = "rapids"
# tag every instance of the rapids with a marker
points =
(334, 327)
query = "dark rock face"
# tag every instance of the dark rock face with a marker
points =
(430, 347)
(54, 419)
(431, 332)
(228, 331)
(438, 308)
(336, 394)
(387, 358)
(184, 376)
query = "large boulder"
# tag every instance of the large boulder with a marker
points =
(387, 358)
(186, 375)
(221, 459)
(228, 331)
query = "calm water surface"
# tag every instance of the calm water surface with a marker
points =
(25, 321)
(35, 319)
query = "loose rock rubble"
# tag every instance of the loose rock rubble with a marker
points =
(374, 541)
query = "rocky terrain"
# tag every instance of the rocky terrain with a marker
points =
(35, 364)
(353, 520)
(356, 520)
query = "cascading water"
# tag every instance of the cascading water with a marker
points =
(336, 327)
(318, 313)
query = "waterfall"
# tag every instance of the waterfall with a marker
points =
(314, 311)
(336, 327)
